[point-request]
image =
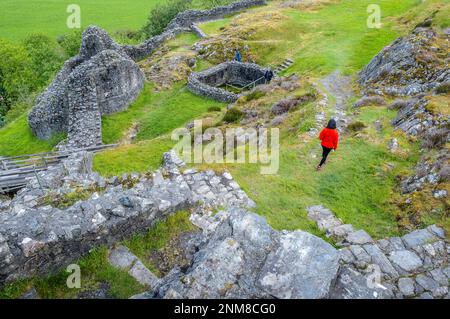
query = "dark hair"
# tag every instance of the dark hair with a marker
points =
(331, 124)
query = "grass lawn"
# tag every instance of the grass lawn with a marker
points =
(16, 139)
(156, 113)
(18, 18)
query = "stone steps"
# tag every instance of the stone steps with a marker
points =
(283, 66)
(122, 258)
(415, 265)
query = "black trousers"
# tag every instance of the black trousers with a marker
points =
(325, 153)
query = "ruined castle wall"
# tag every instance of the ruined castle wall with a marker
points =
(185, 21)
(37, 239)
(187, 18)
(206, 83)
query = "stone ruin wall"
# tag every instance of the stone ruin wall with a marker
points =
(102, 79)
(185, 21)
(96, 83)
(206, 83)
(38, 239)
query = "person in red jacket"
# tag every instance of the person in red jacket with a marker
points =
(330, 139)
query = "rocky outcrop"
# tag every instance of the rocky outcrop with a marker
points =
(410, 65)
(241, 256)
(102, 79)
(402, 267)
(39, 235)
(207, 83)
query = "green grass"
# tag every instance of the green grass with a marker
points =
(333, 37)
(95, 270)
(16, 139)
(18, 18)
(156, 113)
(159, 237)
(139, 157)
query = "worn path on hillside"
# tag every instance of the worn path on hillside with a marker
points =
(339, 87)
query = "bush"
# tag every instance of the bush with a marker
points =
(162, 14)
(256, 94)
(16, 76)
(398, 104)
(46, 58)
(71, 43)
(443, 88)
(126, 37)
(435, 137)
(369, 100)
(356, 126)
(214, 109)
(233, 115)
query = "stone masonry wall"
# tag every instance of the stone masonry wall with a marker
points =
(102, 79)
(184, 21)
(205, 83)
(37, 238)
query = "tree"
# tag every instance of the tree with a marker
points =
(46, 58)
(15, 72)
(162, 14)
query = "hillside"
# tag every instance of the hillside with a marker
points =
(388, 178)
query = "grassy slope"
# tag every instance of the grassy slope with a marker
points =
(16, 139)
(356, 183)
(21, 17)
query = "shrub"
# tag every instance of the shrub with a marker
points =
(126, 36)
(435, 137)
(214, 109)
(356, 126)
(398, 104)
(256, 94)
(369, 100)
(233, 115)
(70, 43)
(443, 88)
(46, 58)
(162, 14)
(16, 76)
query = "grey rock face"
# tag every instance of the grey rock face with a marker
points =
(406, 286)
(206, 83)
(401, 69)
(351, 284)
(102, 79)
(406, 260)
(373, 270)
(251, 260)
(303, 267)
(359, 237)
(418, 238)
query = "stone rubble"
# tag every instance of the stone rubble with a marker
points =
(251, 260)
(412, 266)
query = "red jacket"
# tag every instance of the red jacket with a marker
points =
(329, 138)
